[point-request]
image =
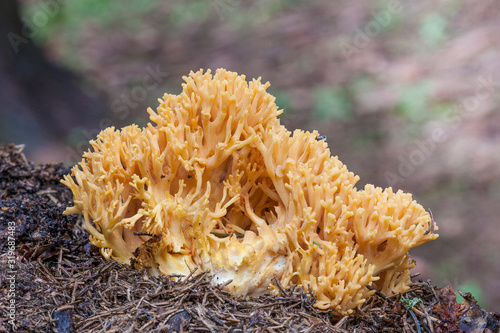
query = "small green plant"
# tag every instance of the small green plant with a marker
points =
(410, 303)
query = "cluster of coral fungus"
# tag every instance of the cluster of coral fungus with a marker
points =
(216, 183)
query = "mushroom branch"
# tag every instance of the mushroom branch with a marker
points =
(215, 183)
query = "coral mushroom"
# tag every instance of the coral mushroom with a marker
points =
(216, 183)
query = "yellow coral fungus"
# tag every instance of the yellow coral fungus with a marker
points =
(216, 183)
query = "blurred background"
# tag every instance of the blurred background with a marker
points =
(407, 93)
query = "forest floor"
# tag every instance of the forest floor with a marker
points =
(53, 279)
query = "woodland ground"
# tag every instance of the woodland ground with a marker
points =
(58, 282)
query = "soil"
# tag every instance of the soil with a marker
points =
(53, 280)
